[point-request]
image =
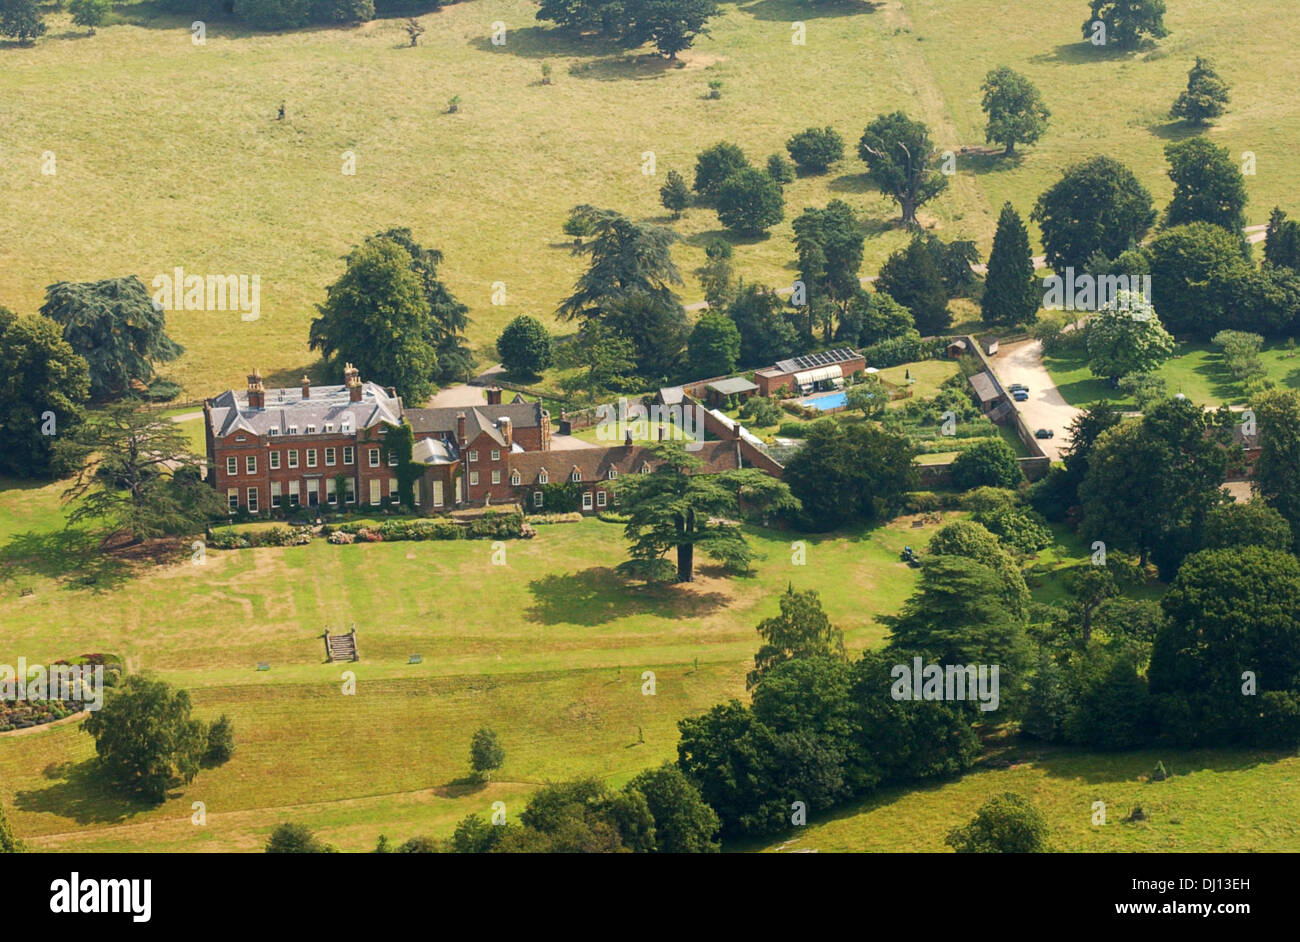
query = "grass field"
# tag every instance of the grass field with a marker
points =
(1216, 801)
(549, 650)
(184, 164)
(1196, 370)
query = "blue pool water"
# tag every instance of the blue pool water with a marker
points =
(833, 400)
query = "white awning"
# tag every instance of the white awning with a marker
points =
(821, 374)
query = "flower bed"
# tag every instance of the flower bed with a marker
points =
(24, 714)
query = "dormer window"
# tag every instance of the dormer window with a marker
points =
(329, 427)
(543, 477)
(576, 476)
(613, 473)
(514, 478)
(346, 428)
(645, 468)
(293, 430)
(311, 430)
(273, 431)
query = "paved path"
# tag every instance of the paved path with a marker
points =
(1045, 408)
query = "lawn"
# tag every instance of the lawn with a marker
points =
(1215, 801)
(1196, 370)
(549, 649)
(273, 199)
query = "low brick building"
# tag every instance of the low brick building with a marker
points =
(806, 373)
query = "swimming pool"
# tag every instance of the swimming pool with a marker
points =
(826, 401)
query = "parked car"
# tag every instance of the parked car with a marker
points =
(1018, 387)
(1045, 433)
(1020, 395)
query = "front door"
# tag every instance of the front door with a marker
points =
(313, 492)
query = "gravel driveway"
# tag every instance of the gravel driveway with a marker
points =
(1023, 363)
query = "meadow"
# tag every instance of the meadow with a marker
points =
(169, 153)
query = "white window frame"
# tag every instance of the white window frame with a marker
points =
(311, 457)
(331, 456)
(232, 465)
(514, 479)
(496, 477)
(349, 455)
(496, 454)
(586, 500)
(473, 479)
(250, 464)
(601, 499)
(473, 455)
(374, 457)
(537, 498)
(311, 430)
(613, 473)
(274, 458)
(576, 476)
(543, 477)
(275, 493)
(232, 499)
(251, 497)
(293, 458)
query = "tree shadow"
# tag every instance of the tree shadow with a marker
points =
(852, 183)
(541, 42)
(1082, 52)
(1174, 130)
(701, 240)
(1097, 768)
(790, 11)
(990, 163)
(61, 555)
(600, 595)
(79, 793)
(460, 787)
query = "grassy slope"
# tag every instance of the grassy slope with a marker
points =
(533, 648)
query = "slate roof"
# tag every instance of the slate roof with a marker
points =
(230, 411)
(478, 419)
(984, 387)
(729, 387)
(594, 463)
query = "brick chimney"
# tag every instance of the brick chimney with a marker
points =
(306, 386)
(494, 395)
(352, 380)
(506, 431)
(256, 391)
(460, 430)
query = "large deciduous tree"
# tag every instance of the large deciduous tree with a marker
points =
(448, 317)
(1014, 107)
(525, 347)
(1208, 185)
(42, 395)
(675, 508)
(848, 473)
(800, 630)
(115, 325)
(146, 739)
(377, 317)
(714, 165)
(899, 157)
(1126, 337)
(749, 201)
(1277, 469)
(1128, 23)
(21, 19)
(1151, 482)
(1097, 205)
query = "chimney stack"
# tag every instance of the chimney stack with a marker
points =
(352, 380)
(306, 386)
(494, 395)
(506, 431)
(256, 391)
(460, 430)
(627, 440)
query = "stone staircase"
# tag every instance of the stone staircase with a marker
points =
(341, 647)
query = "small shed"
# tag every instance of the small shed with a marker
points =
(957, 349)
(717, 393)
(987, 392)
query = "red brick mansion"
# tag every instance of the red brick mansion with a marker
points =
(314, 446)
